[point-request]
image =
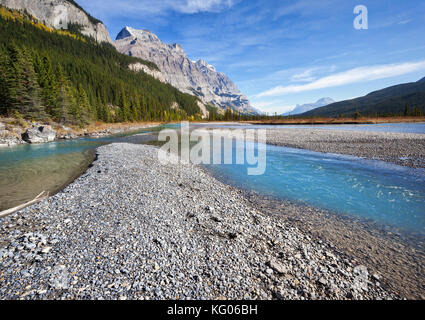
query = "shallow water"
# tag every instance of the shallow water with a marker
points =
(388, 194)
(27, 170)
(385, 193)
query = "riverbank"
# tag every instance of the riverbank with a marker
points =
(11, 130)
(154, 231)
(336, 121)
(406, 149)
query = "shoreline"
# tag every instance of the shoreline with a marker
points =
(397, 257)
(11, 130)
(338, 121)
(404, 149)
(167, 215)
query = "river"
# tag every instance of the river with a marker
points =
(385, 193)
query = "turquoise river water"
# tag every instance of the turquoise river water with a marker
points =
(384, 193)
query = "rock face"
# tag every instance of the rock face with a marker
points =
(58, 13)
(39, 134)
(198, 78)
(154, 73)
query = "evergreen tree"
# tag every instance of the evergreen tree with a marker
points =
(357, 114)
(406, 110)
(22, 86)
(74, 80)
(82, 108)
(63, 109)
(48, 83)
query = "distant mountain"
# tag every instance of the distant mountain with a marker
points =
(198, 78)
(388, 101)
(309, 106)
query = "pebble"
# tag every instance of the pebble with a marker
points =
(137, 234)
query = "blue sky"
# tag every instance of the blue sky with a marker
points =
(282, 53)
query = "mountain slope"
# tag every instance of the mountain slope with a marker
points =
(309, 106)
(388, 101)
(59, 13)
(199, 78)
(54, 74)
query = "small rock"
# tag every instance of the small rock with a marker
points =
(277, 266)
(46, 250)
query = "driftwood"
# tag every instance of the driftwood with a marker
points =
(40, 197)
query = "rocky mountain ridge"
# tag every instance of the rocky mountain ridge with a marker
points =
(198, 78)
(59, 14)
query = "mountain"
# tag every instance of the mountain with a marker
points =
(56, 75)
(62, 13)
(388, 101)
(309, 106)
(198, 78)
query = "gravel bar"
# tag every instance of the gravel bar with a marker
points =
(406, 149)
(132, 228)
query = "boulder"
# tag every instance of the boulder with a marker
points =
(39, 134)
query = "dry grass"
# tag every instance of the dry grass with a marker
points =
(102, 127)
(12, 125)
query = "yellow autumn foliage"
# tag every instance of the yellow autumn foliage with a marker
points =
(14, 15)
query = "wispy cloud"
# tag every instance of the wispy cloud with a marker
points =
(356, 75)
(145, 8)
(194, 6)
(405, 21)
(311, 74)
(305, 76)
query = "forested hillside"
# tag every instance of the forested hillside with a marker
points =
(406, 99)
(68, 78)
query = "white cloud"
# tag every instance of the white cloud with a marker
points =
(194, 6)
(405, 21)
(356, 75)
(305, 76)
(145, 8)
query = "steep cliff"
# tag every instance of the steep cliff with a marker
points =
(199, 78)
(60, 14)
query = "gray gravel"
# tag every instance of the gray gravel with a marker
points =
(406, 149)
(131, 228)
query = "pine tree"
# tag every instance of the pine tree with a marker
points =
(406, 110)
(47, 82)
(63, 109)
(357, 114)
(28, 94)
(4, 96)
(125, 114)
(82, 115)
(10, 79)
